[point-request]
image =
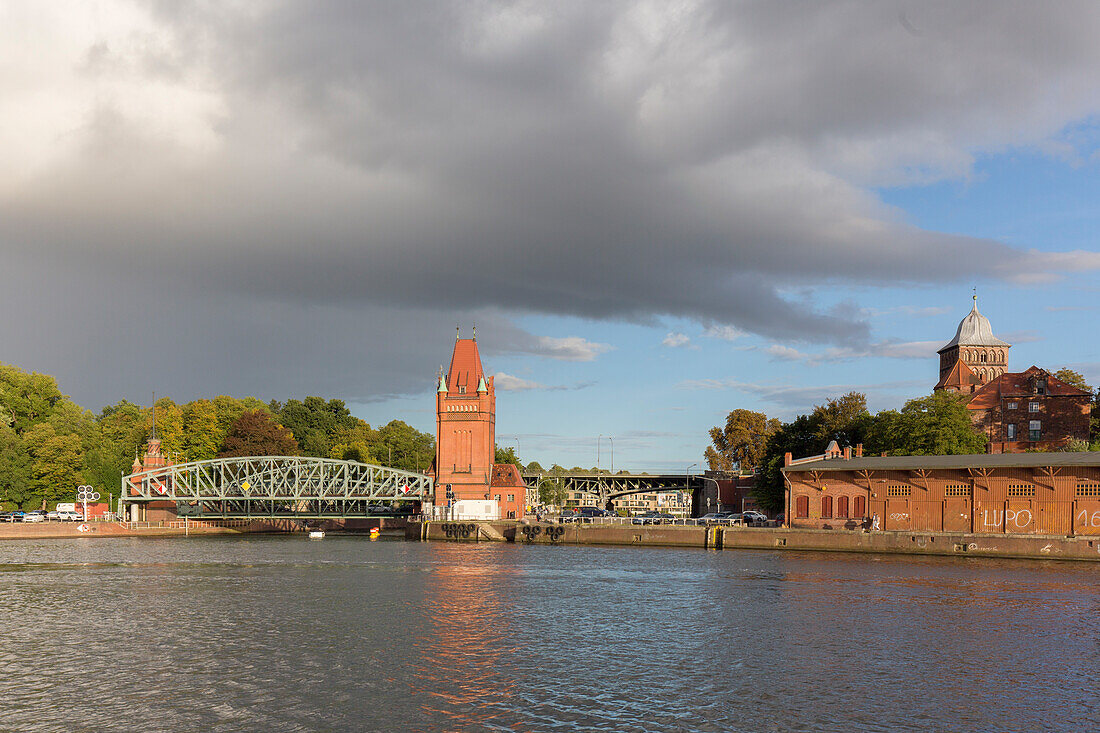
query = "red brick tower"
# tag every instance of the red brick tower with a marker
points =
(465, 405)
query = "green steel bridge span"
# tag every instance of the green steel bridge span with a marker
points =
(275, 487)
(606, 487)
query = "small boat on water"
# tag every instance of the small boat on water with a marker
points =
(317, 534)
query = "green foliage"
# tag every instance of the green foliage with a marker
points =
(741, 441)
(936, 425)
(552, 492)
(403, 447)
(1069, 376)
(26, 398)
(200, 430)
(508, 455)
(534, 467)
(316, 423)
(256, 433)
(15, 469)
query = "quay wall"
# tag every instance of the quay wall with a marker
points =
(180, 528)
(1045, 547)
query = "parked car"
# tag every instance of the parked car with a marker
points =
(567, 515)
(754, 519)
(38, 515)
(588, 513)
(714, 518)
(652, 517)
(69, 516)
(16, 516)
(52, 515)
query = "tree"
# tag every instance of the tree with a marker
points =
(354, 441)
(844, 420)
(315, 422)
(534, 467)
(403, 447)
(1069, 376)
(507, 455)
(552, 492)
(15, 468)
(256, 433)
(26, 399)
(938, 424)
(56, 462)
(200, 430)
(741, 441)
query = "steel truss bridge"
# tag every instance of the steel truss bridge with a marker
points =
(606, 487)
(275, 486)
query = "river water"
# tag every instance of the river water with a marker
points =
(287, 634)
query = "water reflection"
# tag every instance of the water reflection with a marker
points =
(463, 651)
(276, 634)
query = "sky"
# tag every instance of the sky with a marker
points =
(653, 212)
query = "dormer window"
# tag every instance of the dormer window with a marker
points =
(462, 389)
(1041, 386)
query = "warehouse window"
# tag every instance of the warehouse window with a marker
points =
(860, 507)
(1011, 432)
(802, 507)
(1035, 430)
(826, 507)
(1013, 405)
(1032, 406)
(842, 507)
(1021, 490)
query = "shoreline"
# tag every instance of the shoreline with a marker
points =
(1083, 548)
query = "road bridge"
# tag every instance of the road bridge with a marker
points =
(606, 487)
(274, 486)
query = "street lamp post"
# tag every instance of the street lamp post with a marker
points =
(598, 439)
(687, 479)
(612, 454)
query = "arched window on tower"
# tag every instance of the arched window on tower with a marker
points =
(983, 357)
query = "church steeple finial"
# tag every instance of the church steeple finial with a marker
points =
(475, 332)
(458, 332)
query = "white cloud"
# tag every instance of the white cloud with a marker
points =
(785, 353)
(509, 383)
(724, 333)
(675, 339)
(570, 348)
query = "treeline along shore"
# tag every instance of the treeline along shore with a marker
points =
(49, 445)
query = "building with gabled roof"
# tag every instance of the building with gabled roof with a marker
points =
(1031, 410)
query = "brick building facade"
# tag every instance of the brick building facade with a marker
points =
(1018, 411)
(1022, 493)
(466, 437)
(1031, 410)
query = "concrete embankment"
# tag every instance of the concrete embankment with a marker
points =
(181, 528)
(761, 538)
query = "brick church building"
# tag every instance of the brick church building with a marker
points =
(466, 440)
(1018, 411)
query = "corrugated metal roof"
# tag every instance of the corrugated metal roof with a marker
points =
(983, 460)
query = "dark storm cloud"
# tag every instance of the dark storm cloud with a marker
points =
(332, 175)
